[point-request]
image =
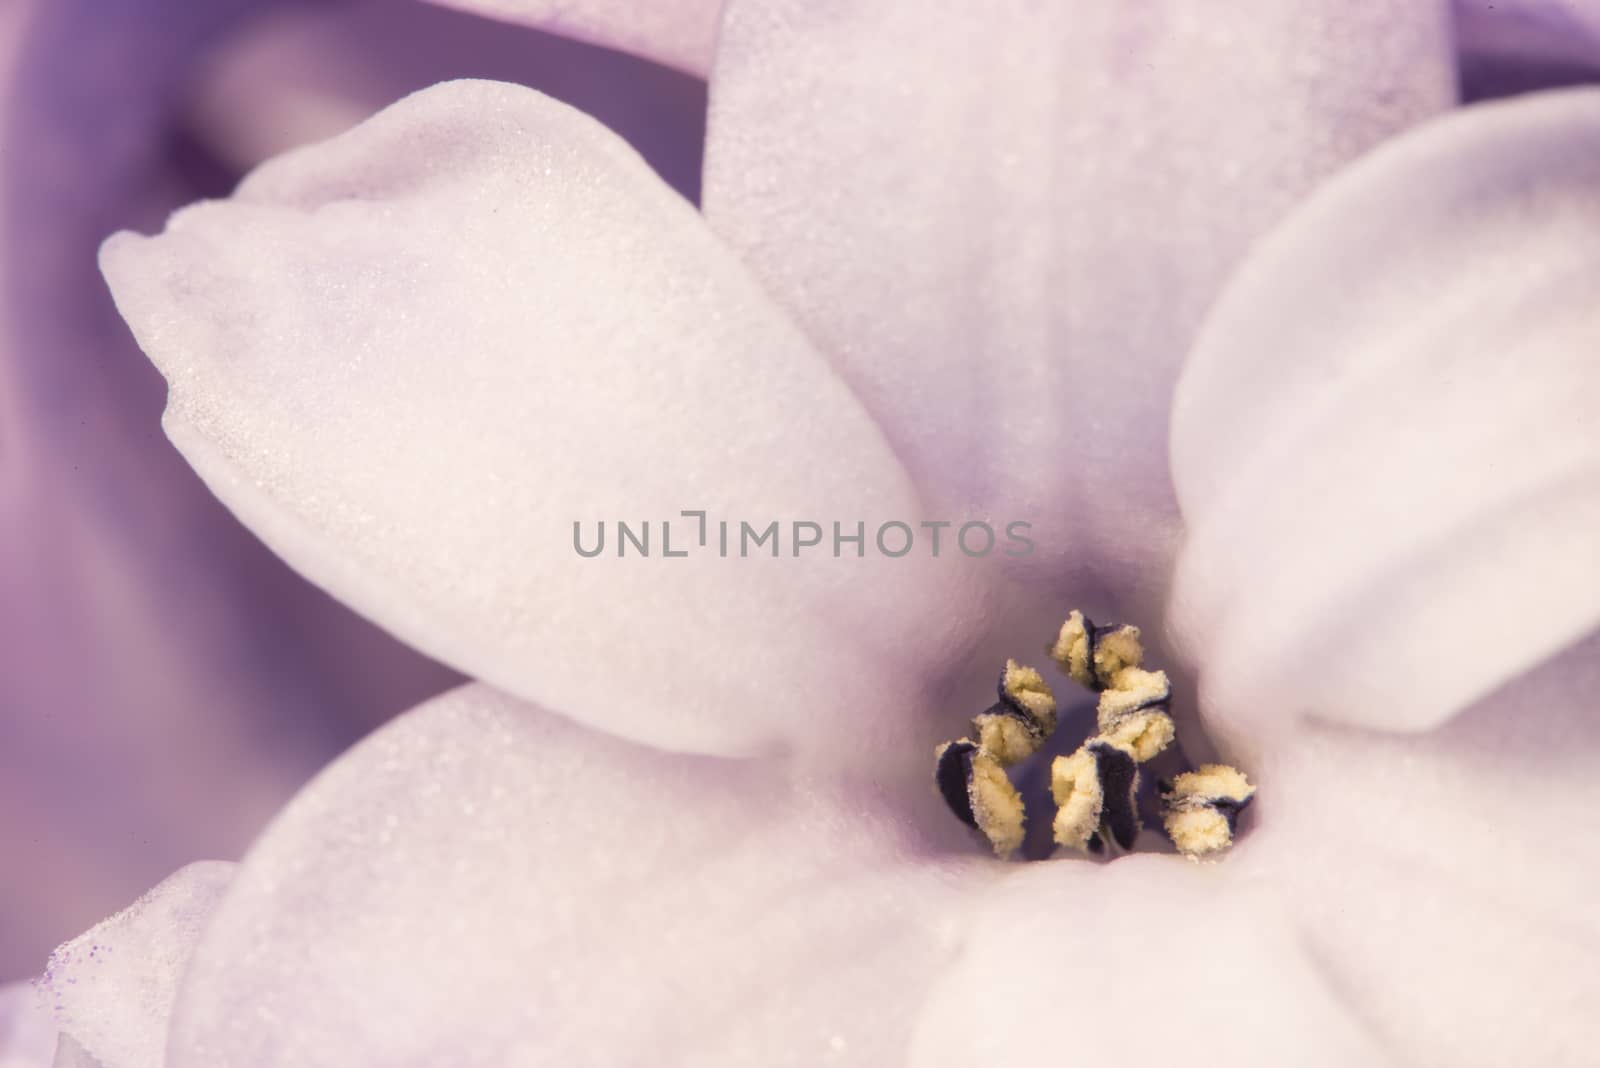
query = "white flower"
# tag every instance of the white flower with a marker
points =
(410, 358)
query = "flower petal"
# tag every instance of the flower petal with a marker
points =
(1147, 960)
(679, 33)
(415, 358)
(27, 1038)
(1386, 442)
(1445, 882)
(1399, 900)
(1004, 223)
(483, 884)
(112, 988)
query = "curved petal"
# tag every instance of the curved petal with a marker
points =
(424, 360)
(1386, 443)
(27, 1038)
(1400, 900)
(1445, 881)
(1147, 960)
(483, 884)
(679, 33)
(1005, 221)
(112, 988)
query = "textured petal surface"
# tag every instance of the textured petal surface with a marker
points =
(112, 988)
(680, 33)
(1004, 221)
(27, 1037)
(1405, 900)
(1387, 445)
(484, 884)
(416, 358)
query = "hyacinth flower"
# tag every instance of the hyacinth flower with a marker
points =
(1281, 355)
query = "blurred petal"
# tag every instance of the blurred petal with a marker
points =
(1386, 442)
(302, 73)
(27, 1037)
(112, 988)
(1005, 221)
(415, 358)
(1147, 960)
(1401, 900)
(484, 884)
(1511, 46)
(679, 33)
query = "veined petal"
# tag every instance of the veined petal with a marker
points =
(483, 884)
(1386, 443)
(112, 988)
(1005, 221)
(679, 33)
(1404, 900)
(426, 359)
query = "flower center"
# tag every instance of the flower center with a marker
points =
(1096, 788)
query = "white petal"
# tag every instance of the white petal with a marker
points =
(1005, 221)
(27, 1037)
(1445, 881)
(1406, 900)
(1387, 444)
(483, 884)
(112, 988)
(680, 33)
(414, 358)
(1147, 960)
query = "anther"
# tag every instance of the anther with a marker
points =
(1094, 790)
(1093, 655)
(1201, 808)
(1017, 725)
(1136, 712)
(974, 785)
(1096, 787)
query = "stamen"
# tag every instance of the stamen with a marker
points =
(1202, 808)
(1093, 655)
(952, 772)
(1017, 725)
(1134, 712)
(1095, 789)
(975, 786)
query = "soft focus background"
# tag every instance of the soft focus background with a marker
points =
(165, 683)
